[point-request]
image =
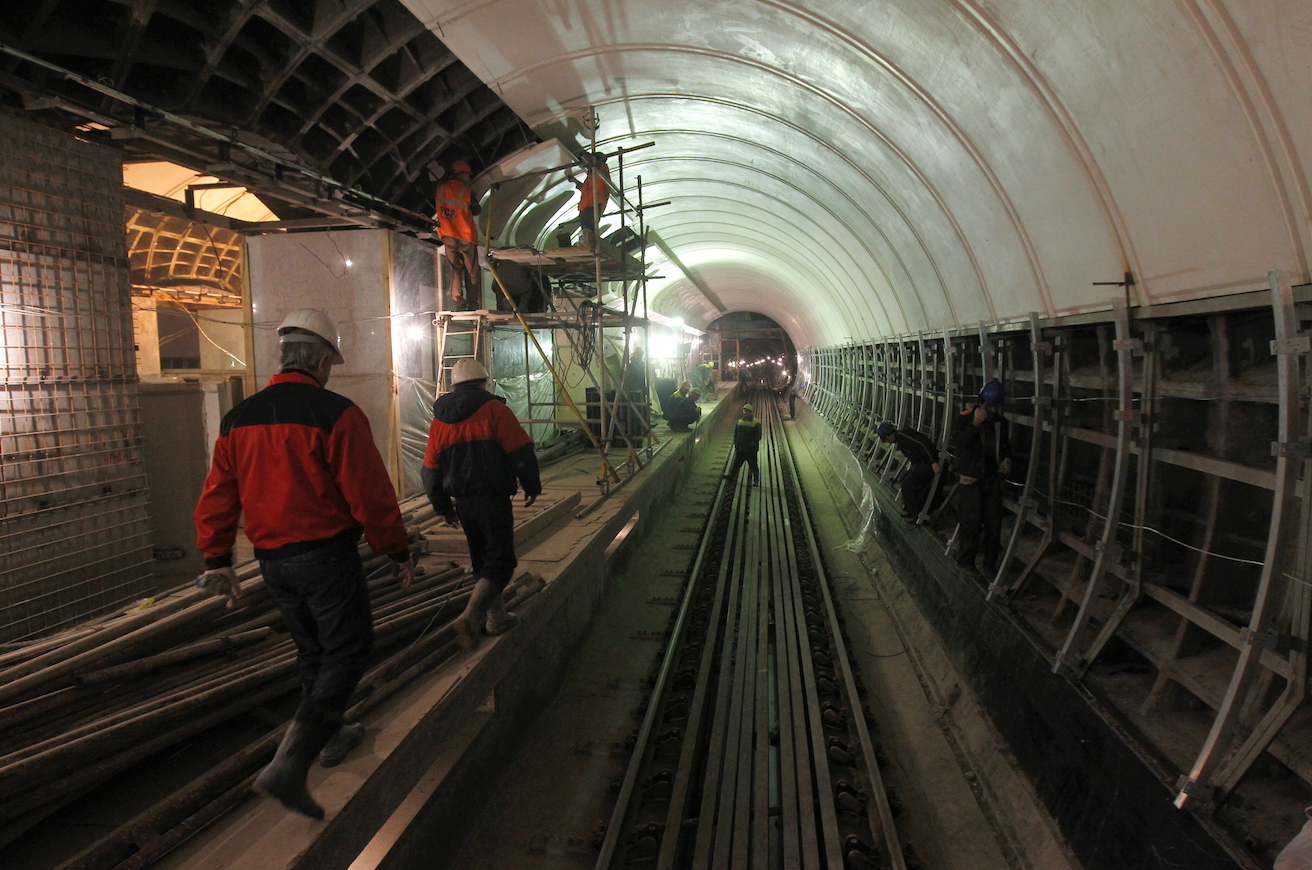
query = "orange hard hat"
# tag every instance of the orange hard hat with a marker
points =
(461, 166)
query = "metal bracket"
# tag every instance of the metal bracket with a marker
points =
(1113, 550)
(1044, 347)
(1292, 449)
(1133, 345)
(1195, 790)
(1260, 640)
(1126, 416)
(1029, 503)
(1043, 401)
(1299, 344)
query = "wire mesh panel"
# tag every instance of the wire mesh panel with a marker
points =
(74, 517)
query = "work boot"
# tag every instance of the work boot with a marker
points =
(284, 778)
(499, 620)
(347, 738)
(470, 623)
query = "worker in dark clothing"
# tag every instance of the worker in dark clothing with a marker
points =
(684, 411)
(792, 401)
(746, 444)
(981, 450)
(301, 463)
(477, 450)
(673, 399)
(920, 450)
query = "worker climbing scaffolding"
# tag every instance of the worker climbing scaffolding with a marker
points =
(456, 210)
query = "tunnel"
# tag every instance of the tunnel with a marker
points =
(906, 406)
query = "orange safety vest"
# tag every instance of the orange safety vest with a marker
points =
(453, 214)
(593, 193)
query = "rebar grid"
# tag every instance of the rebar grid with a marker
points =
(74, 514)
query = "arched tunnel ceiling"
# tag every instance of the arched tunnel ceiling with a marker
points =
(358, 90)
(859, 169)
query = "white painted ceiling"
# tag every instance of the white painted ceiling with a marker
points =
(857, 169)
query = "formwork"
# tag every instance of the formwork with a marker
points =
(74, 514)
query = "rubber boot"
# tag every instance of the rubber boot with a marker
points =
(470, 623)
(284, 778)
(499, 620)
(347, 738)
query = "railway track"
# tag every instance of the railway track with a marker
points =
(754, 751)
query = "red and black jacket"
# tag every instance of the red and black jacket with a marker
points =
(301, 461)
(476, 447)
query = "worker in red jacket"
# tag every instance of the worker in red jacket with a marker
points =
(476, 451)
(301, 462)
(456, 210)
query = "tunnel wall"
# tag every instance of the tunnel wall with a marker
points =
(1110, 797)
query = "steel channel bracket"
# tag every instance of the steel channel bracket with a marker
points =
(1216, 766)
(1072, 649)
(949, 395)
(998, 588)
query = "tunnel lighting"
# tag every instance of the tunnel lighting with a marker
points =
(663, 346)
(416, 333)
(677, 323)
(347, 262)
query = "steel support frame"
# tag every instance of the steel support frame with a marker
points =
(1221, 763)
(1038, 350)
(949, 396)
(1071, 653)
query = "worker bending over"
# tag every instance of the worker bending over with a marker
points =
(300, 461)
(746, 444)
(684, 411)
(476, 451)
(982, 451)
(920, 450)
(456, 211)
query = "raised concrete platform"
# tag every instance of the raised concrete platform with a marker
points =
(431, 752)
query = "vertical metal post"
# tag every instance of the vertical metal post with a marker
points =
(986, 354)
(949, 397)
(1290, 454)
(1038, 350)
(1125, 417)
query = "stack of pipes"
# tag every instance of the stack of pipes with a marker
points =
(78, 708)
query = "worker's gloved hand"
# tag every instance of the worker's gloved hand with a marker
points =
(221, 582)
(529, 499)
(408, 568)
(937, 468)
(1004, 466)
(449, 518)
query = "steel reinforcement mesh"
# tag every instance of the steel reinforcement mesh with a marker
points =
(75, 532)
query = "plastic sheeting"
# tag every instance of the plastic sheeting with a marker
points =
(521, 374)
(414, 352)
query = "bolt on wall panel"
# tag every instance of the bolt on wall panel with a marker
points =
(74, 513)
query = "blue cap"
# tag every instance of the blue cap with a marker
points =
(992, 394)
(885, 429)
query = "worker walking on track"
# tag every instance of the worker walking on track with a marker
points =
(746, 444)
(921, 451)
(477, 450)
(300, 461)
(456, 211)
(982, 452)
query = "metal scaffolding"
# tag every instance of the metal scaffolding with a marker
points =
(598, 287)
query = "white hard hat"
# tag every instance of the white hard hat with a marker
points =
(467, 369)
(315, 321)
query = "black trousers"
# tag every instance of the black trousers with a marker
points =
(489, 528)
(324, 602)
(792, 404)
(739, 457)
(915, 487)
(979, 510)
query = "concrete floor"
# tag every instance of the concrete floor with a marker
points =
(555, 791)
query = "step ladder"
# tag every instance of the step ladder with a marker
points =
(459, 337)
